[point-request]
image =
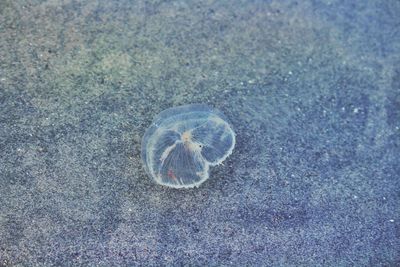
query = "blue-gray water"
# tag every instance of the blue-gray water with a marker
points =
(312, 89)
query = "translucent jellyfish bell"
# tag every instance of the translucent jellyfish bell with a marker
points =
(183, 142)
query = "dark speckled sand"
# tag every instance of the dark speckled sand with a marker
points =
(312, 89)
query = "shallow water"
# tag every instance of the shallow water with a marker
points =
(310, 88)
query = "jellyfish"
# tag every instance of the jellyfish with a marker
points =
(183, 142)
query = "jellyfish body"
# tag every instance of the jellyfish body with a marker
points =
(183, 142)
